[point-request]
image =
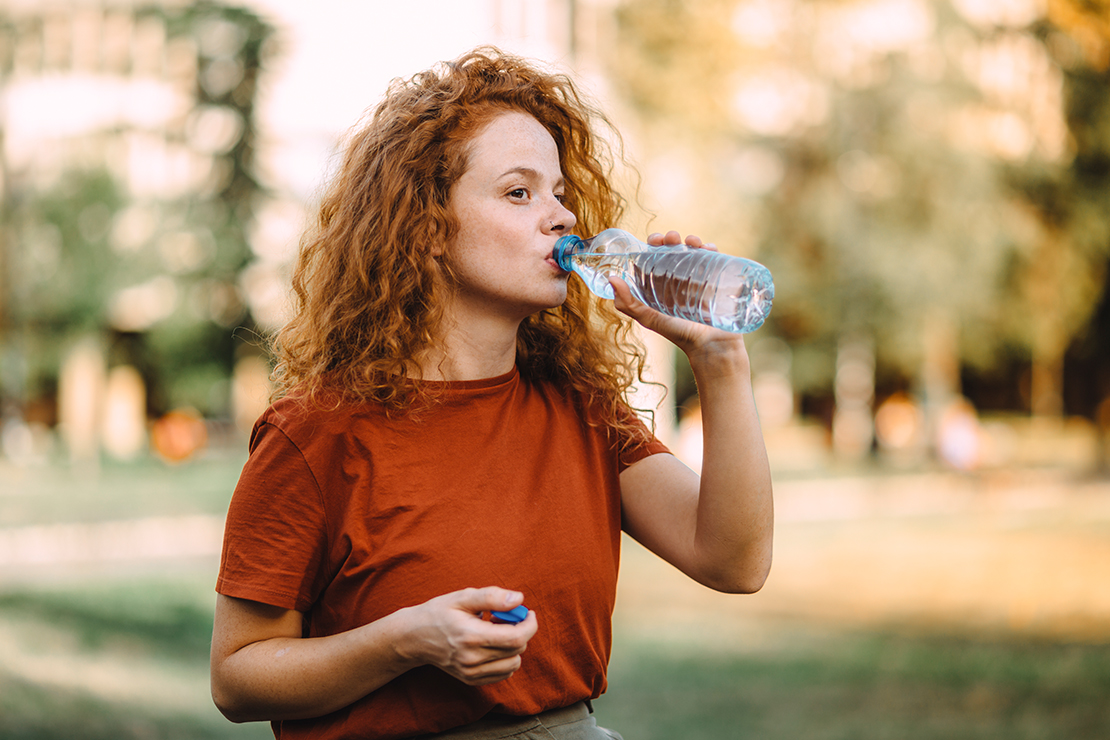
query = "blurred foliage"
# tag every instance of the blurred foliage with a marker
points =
(861, 686)
(955, 178)
(1077, 34)
(157, 279)
(142, 613)
(666, 77)
(68, 272)
(159, 626)
(122, 490)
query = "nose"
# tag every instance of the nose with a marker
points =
(561, 220)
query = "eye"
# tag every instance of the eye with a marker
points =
(561, 197)
(518, 194)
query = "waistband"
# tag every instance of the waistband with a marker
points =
(495, 725)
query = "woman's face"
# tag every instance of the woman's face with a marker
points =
(510, 213)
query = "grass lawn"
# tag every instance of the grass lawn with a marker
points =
(119, 659)
(861, 686)
(110, 659)
(113, 491)
(120, 650)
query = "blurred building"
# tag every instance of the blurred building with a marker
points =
(149, 212)
(900, 161)
(127, 143)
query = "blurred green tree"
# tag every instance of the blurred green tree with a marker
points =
(899, 165)
(1063, 280)
(121, 244)
(64, 272)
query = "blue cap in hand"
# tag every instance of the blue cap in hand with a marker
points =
(513, 616)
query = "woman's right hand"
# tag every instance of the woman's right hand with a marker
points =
(264, 669)
(449, 633)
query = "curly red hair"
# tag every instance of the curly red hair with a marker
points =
(368, 286)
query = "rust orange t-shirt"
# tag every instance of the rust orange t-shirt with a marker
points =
(348, 515)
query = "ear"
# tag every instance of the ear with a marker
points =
(438, 235)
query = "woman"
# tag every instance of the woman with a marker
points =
(451, 437)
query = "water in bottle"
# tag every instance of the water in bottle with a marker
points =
(730, 293)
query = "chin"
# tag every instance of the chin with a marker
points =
(539, 308)
(553, 298)
(560, 300)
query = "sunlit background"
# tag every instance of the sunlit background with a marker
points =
(928, 181)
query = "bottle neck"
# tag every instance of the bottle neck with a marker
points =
(565, 248)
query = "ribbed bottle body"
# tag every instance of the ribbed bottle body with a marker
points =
(730, 293)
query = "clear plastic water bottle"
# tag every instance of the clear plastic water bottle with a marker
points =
(730, 293)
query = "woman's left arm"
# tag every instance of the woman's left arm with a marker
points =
(718, 528)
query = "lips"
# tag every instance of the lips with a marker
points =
(553, 262)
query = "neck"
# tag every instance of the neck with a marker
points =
(475, 351)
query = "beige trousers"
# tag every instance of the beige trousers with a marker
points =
(570, 723)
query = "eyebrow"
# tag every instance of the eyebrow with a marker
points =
(531, 173)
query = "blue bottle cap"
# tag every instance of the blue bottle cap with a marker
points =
(564, 248)
(513, 616)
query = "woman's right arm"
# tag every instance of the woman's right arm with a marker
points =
(263, 669)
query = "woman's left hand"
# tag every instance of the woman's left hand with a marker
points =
(689, 336)
(718, 527)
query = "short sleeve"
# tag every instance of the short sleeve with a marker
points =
(275, 538)
(636, 447)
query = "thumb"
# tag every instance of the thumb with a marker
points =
(631, 306)
(676, 330)
(491, 598)
(623, 299)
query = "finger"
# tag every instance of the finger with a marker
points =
(672, 237)
(655, 239)
(487, 648)
(623, 300)
(477, 600)
(513, 638)
(628, 304)
(499, 640)
(680, 332)
(490, 672)
(528, 628)
(497, 644)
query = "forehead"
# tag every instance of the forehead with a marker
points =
(511, 136)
